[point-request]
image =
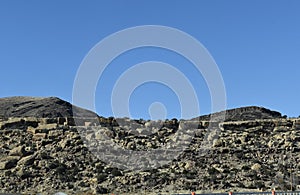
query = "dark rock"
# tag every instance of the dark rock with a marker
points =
(8, 162)
(23, 173)
(51, 107)
(241, 114)
(101, 190)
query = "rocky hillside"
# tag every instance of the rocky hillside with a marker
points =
(40, 108)
(244, 113)
(57, 153)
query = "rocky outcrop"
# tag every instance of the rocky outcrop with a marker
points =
(43, 155)
(47, 155)
(40, 107)
(243, 113)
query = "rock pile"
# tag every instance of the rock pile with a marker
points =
(46, 155)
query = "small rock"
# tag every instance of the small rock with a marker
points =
(217, 143)
(60, 193)
(32, 130)
(18, 151)
(131, 145)
(23, 173)
(7, 172)
(9, 162)
(28, 150)
(39, 136)
(281, 129)
(28, 160)
(101, 190)
(54, 134)
(65, 143)
(256, 167)
(189, 165)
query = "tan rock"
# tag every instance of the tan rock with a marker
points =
(13, 123)
(39, 136)
(256, 167)
(31, 130)
(47, 126)
(8, 162)
(54, 133)
(217, 143)
(28, 160)
(281, 129)
(18, 151)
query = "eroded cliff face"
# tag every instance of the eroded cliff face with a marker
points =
(46, 155)
(49, 154)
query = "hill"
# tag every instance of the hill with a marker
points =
(42, 150)
(243, 113)
(40, 107)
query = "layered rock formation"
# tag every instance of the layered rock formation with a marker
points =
(41, 154)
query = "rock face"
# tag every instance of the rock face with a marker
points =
(46, 155)
(40, 107)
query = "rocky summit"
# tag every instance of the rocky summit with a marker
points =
(40, 107)
(45, 148)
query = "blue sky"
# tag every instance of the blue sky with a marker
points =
(256, 45)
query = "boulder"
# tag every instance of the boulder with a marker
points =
(18, 151)
(28, 160)
(8, 162)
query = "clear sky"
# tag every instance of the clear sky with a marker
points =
(255, 43)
